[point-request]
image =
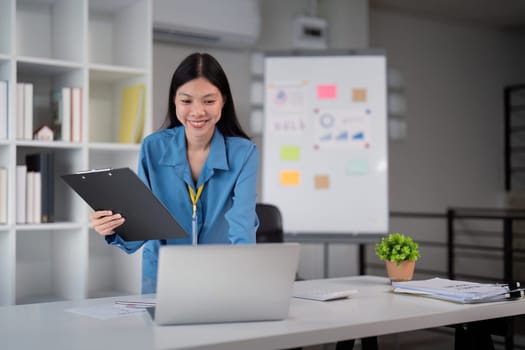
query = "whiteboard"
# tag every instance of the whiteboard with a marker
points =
(324, 157)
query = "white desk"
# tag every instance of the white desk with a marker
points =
(373, 311)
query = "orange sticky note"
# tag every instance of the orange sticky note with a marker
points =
(290, 178)
(359, 95)
(321, 182)
(326, 92)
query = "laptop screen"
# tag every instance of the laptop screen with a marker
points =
(225, 283)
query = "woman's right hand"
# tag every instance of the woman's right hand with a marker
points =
(105, 222)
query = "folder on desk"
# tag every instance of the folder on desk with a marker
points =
(463, 292)
(122, 191)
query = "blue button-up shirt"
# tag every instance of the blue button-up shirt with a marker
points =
(226, 208)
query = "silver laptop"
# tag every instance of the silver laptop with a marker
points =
(225, 283)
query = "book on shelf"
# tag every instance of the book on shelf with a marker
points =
(30, 198)
(37, 197)
(3, 109)
(61, 107)
(28, 111)
(3, 195)
(33, 197)
(42, 164)
(20, 111)
(132, 114)
(21, 178)
(76, 114)
(24, 111)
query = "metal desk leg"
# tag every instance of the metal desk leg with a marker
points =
(450, 243)
(473, 335)
(369, 343)
(508, 273)
(362, 259)
(509, 334)
(326, 257)
(507, 250)
(345, 345)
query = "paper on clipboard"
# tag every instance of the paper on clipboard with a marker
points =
(122, 191)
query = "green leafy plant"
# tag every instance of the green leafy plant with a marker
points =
(397, 247)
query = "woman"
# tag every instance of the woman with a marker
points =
(202, 167)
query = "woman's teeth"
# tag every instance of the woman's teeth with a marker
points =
(198, 123)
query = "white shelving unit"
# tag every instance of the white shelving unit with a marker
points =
(100, 46)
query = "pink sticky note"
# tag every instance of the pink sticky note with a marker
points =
(326, 91)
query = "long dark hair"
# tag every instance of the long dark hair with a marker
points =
(206, 66)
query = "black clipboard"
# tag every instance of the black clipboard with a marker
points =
(122, 191)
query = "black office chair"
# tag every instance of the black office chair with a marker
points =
(270, 224)
(270, 227)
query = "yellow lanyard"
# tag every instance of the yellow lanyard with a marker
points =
(194, 199)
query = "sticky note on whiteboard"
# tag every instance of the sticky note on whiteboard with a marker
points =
(290, 152)
(290, 178)
(326, 91)
(359, 95)
(321, 182)
(356, 167)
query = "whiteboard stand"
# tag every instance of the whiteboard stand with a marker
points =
(361, 239)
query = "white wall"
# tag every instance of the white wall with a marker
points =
(454, 76)
(453, 153)
(347, 22)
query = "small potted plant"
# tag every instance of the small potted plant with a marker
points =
(400, 253)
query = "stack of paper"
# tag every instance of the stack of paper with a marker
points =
(457, 291)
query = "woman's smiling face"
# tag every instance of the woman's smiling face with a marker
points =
(198, 104)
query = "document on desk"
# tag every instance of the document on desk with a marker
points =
(119, 308)
(463, 292)
(105, 311)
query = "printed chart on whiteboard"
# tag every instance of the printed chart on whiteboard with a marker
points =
(325, 142)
